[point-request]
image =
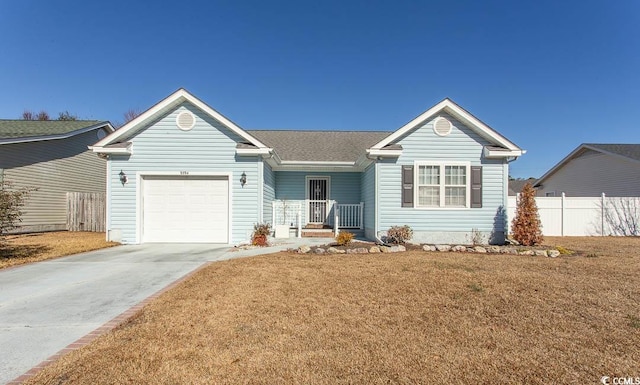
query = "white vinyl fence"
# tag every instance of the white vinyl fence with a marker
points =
(585, 216)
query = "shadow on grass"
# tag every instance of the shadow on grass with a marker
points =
(22, 251)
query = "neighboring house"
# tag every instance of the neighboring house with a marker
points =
(516, 185)
(593, 169)
(53, 157)
(182, 172)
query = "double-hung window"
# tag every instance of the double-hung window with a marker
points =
(442, 185)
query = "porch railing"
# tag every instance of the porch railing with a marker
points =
(298, 213)
(350, 215)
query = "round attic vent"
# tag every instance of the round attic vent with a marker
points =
(442, 126)
(100, 134)
(185, 120)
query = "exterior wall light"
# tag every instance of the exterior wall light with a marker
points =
(243, 179)
(123, 177)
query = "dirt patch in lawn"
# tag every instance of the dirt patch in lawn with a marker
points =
(413, 317)
(27, 248)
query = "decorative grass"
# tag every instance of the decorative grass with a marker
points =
(28, 248)
(403, 318)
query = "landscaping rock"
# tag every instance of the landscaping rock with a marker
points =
(527, 252)
(540, 253)
(319, 250)
(304, 249)
(494, 249)
(553, 253)
(428, 248)
(374, 249)
(332, 250)
(458, 248)
(392, 249)
(480, 249)
(443, 247)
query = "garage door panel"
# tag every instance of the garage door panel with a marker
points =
(185, 209)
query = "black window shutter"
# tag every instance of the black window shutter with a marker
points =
(407, 186)
(476, 186)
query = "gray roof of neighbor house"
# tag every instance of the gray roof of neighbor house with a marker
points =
(328, 146)
(628, 150)
(16, 129)
(516, 185)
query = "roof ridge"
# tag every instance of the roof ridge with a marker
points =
(313, 130)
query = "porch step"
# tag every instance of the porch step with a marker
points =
(316, 226)
(317, 233)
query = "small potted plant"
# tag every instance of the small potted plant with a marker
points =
(260, 233)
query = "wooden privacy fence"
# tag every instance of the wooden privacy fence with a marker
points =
(86, 211)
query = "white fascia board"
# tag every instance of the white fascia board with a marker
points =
(112, 150)
(458, 112)
(317, 168)
(253, 151)
(106, 125)
(492, 154)
(167, 103)
(376, 152)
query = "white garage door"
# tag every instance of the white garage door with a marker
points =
(185, 209)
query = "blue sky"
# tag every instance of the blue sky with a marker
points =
(548, 75)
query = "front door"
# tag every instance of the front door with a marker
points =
(318, 195)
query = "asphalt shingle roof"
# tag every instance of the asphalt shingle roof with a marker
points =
(328, 146)
(629, 150)
(12, 129)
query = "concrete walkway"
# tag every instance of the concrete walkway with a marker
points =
(46, 306)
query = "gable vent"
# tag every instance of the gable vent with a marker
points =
(442, 126)
(185, 120)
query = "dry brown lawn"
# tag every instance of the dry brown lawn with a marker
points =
(27, 248)
(412, 317)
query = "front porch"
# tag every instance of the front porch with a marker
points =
(316, 218)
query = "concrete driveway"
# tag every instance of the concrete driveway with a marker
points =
(46, 306)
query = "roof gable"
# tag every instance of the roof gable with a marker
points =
(19, 131)
(475, 124)
(626, 151)
(165, 105)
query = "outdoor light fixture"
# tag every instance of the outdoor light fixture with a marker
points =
(243, 179)
(123, 177)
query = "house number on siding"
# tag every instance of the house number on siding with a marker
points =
(184, 172)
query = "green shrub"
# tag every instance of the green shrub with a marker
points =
(344, 238)
(399, 234)
(260, 233)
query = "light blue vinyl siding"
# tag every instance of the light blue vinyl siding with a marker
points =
(162, 147)
(437, 225)
(269, 193)
(345, 186)
(367, 192)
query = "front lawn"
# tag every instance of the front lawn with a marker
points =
(27, 248)
(413, 317)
